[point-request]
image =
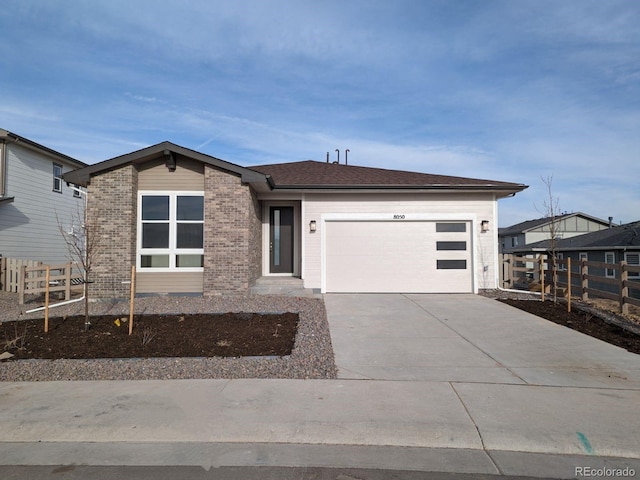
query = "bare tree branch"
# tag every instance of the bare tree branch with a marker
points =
(85, 245)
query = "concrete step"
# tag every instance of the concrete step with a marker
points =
(290, 286)
(277, 281)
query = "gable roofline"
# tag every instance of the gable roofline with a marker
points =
(529, 225)
(83, 176)
(9, 137)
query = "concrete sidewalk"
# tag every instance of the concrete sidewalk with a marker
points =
(534, 401)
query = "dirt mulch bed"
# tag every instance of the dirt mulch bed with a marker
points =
(586, 322)
(194, 335)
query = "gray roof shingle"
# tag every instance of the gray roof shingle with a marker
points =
(627, 235)
(314, 174)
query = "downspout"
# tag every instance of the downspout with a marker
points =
(67, 302)
(518, 291)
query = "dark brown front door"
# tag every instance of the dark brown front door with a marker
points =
(281, 240)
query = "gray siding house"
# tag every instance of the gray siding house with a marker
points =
(33, 196)
(568, 225)
(612, 245)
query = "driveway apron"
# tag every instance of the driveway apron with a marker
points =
(467, 338)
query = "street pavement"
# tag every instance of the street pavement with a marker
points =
(454, 384)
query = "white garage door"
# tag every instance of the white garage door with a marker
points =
(399, 257)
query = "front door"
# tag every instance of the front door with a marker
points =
(281, 240)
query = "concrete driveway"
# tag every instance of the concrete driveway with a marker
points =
(432, 383)
(467, 338)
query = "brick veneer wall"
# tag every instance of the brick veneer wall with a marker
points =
(112, 201)
(232, 234)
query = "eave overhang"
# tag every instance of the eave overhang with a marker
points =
(165, 149)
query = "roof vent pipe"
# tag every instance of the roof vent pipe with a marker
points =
(346, 156)
(610, 222)
(338, 160)
(327, 157)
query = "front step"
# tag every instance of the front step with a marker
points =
(290, 286)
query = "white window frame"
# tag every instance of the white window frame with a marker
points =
(172, 251)
(610, 257)
(57, 179)
(561, 267)
(633, 275)
(583, 256)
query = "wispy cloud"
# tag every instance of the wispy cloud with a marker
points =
(503, 90)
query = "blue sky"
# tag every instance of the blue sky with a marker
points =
(505, 90)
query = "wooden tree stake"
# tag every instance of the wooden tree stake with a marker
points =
(46, 300)
(131, 301)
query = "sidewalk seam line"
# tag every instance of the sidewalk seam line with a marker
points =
(484, 447)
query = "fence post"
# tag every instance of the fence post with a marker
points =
(21, 281)
(584, 273)
(624, 287)
(541, 260)
(510, 270)
(3, 274)
(67, 282)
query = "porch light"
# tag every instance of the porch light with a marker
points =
(484, 225)
(312, 226)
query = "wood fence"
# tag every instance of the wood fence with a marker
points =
(534, 273)
(33, 280)
(10, 272)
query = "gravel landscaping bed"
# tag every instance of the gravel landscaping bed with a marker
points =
(312, 356)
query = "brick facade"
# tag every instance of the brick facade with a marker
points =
(112, 205)
(232, 234)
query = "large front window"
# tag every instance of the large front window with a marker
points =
(171, 231)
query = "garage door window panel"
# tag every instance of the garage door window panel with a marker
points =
(452, 264)
(445, 227)
(451, 246)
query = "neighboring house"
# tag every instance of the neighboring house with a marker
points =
(192, 223)
(566, 225)
(613, 245)
(33, 197)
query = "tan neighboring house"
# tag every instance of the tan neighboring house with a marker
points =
(33, 197)
(192, 223)
(567, 225)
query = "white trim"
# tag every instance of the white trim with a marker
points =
(606, 270)
(303, 237)
(172, 251)
(472, 218)
(496, 245)
(57, 178)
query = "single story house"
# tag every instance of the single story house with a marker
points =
(193, 223)
(530, 231)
